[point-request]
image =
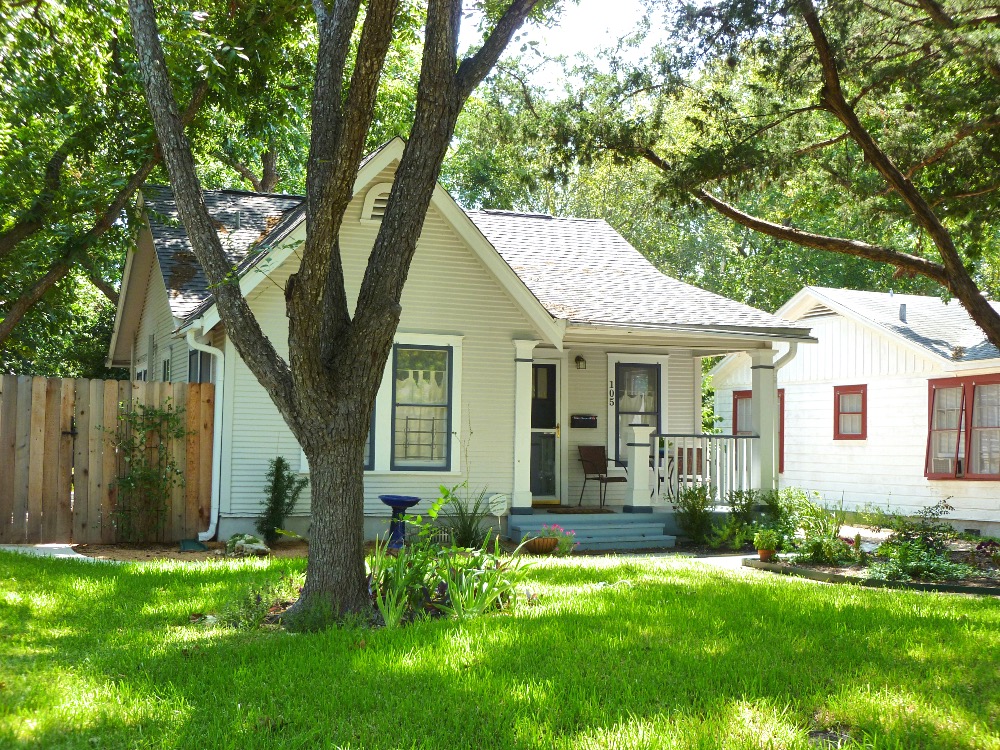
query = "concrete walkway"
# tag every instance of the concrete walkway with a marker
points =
(46, 550)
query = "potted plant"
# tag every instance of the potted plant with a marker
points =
(766, 542)
(548, 539)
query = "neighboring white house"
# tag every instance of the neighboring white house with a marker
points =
(522, 337)
(899, 404)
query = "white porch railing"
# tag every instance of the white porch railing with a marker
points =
(721, 462)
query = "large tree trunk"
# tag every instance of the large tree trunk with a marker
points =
(326, 391)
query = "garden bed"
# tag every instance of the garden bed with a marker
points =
(855, 574)
(153, 551)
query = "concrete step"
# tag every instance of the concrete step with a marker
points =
(662, 541)
(609, 532)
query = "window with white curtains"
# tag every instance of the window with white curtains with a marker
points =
(421, 381)
(963, 440)
(850, 412)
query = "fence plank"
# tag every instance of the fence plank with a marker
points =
(176, 393)
(109, 462)
(63, 510)
(8, 443)
(36, 461)
(81, 467)
(205, 453)
(192, 458)
(95, 466)
(22, 458)
(50, 477)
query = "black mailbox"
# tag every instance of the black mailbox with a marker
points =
(586, 421)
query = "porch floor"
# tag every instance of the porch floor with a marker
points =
(601, 531)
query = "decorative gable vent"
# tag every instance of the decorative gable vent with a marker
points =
(817, 311)
(376, 201)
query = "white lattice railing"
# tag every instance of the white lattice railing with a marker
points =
(721, 462)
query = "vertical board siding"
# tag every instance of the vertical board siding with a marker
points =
(887, 468)
(58, 463)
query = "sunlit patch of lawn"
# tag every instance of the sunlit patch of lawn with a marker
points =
(614, 653)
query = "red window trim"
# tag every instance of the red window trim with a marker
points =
(966, 384)
(840, 390)
(737, 395)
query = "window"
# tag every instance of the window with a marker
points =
(742, 421)
(166, 371)
(199, 366)
(963, 437)
(637, 401)
(421, 394)
(850, 412)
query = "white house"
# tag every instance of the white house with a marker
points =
(522, 337)
(899, 404)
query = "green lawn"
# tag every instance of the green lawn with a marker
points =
(618, 653)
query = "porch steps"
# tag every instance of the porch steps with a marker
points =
(600, 532)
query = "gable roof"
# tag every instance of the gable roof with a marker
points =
(941, 328)
(562, 271)
(244, 222)
(585, 272)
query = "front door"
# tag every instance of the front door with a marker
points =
(544, 433)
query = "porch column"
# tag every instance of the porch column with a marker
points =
(520, 498)
(637, 494)
(764, 419)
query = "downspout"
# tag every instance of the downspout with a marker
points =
(784, 359)
(220, 384)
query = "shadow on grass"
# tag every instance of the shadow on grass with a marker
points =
(614, 655)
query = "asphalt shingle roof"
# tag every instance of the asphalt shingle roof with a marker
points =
(583, 271)
(943, 328)
(243, 220)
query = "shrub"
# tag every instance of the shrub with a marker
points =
(781, 514)
(738, 528)
(766, 539)
(466, 515)
(142, 439)
(282, 493)
(911, 560)
(694, 506)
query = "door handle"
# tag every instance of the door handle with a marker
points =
(557, 429)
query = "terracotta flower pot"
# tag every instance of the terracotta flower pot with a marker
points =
(542, 545)
(765, 554)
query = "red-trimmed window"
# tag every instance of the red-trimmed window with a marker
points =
(850, 412)
(963, 435)
(742, 421)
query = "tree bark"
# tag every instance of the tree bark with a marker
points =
(327, 389)
(959, 282)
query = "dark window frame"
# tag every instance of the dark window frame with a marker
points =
(618, 459)
(394, 465)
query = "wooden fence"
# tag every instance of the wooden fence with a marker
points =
(58, 461)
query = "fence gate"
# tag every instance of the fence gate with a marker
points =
(58, 462)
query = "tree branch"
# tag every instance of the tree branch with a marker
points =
(32, 220)
(905, 261)
(832, 96)
(241, 325)
(474, 68)
(963, 133)
(239, 167)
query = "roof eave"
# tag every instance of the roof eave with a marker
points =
(715, 331)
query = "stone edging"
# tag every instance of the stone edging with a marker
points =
(818, 575)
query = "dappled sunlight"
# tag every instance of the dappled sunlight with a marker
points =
(615, 653)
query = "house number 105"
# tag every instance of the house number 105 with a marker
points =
(611, 393)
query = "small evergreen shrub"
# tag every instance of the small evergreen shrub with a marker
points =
(282, 493)
(466, 519)
(694, 506)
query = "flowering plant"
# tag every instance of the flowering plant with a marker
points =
(566, 539)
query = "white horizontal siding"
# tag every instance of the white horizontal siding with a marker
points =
(448, 291)
(888, 467)
(158, 321)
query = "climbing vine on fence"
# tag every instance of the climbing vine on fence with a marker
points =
(148, 472)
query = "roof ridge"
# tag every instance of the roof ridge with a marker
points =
(234, 191)
(527, 214)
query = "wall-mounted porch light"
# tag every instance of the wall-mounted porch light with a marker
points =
(581, 363)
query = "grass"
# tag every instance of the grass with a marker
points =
(617, 653)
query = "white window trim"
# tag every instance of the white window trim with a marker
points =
(383, 411)
(373, 194)
(614, 359)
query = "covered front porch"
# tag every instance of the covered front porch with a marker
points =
(639, 399)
